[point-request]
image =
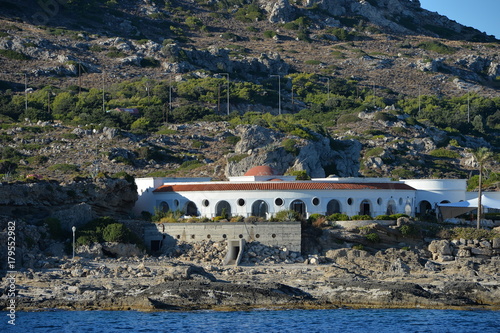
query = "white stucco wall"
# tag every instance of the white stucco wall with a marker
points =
(437, 191)
(378, 200)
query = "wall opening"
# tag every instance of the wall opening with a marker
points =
(164, 207)
(364, 208)
(391, 207)
(191, 209)
(299, 206)
(234, 252)
(223, 207)
(333, 207)
(155, 245)
(259, 208)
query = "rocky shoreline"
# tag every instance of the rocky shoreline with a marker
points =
(346, 278)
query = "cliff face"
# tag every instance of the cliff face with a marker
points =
(74, 203)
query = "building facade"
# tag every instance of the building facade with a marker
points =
(263, 193)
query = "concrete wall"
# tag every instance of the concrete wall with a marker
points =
(268, 233)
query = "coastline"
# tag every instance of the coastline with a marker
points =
(152, 284)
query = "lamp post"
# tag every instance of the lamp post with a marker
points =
(227, 91)
(279, 93)
(74, 230)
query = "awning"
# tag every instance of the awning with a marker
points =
(450, 210)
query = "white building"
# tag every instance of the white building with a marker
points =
(262, 193)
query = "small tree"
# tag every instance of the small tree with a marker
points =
(481, 156)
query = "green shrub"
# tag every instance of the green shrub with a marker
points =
(382, 217)
(409, 230)
(338, 217)
(444, 153)
(150, 62)
(64, 168)
(87, 239)
(472, 234)
(299, 174)
(14, 55)
(312, 62)
(287, 215)
(348, 118)
(437, 47)
(232, 140)
(373, 237)
(55, 229)
(269, 33)
(237, 158)
(377, 151)
(116, 54)
(313, 217)
(361, 217)
(290, 146)
(249, 13)
(124, 175)
(384, 116)
(190, 165)
(116, 232)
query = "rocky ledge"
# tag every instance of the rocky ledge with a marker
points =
(344, 278)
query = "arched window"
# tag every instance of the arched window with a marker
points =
(164, 207)
(223, 207)
(424, 207)
(365, 208)
(191, 209)
(333, 207)
(391, 207)
(299, 206)
(259, 208)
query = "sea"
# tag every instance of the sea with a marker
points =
(309, 321)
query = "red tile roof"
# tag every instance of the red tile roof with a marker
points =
(281, 186)
(261, 170)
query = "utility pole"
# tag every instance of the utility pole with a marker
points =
(279, 93)
(169, 93)
(227, 91)
(328, 86)
(103, 100)
(25, 92)
(468, 107)
(79, 79)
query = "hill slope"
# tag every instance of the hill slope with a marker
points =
(330, 63)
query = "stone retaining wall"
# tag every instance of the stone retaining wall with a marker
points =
(160, 235)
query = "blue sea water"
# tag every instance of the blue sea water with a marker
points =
(310, 321)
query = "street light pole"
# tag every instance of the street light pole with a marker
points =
(74, 230)
(279, 93)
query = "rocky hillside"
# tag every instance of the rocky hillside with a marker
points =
(393, 47)
(388, 44)
(378, 144)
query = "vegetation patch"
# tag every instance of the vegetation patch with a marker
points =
(64, 168)
(14, 55)
(444, 153)
(437, 47)
(468, 234)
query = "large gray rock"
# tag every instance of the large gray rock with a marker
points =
(440, 249)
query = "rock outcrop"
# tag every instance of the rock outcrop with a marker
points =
(74, 203)
(262, 146)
